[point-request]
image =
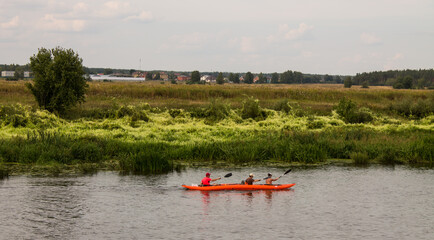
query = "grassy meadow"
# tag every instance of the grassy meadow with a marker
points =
(152, 127)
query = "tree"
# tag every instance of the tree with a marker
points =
(108, 71)
(59, 81)
(195, 77)
(220, 79)
(275, 78)
(148, 76)
(262, 78)
(404, 83)
(234, 77)
(347, 82)
(287, 77)
(298, 77)
(248, 78)
(19, 73)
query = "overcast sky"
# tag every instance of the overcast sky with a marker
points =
(310, 36)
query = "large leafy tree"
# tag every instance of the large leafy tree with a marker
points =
(347, 82)
(234, 77)
(262, 78)
(195, 77)
(220, 79)
(275, 78)
(248, 78)
(59, 81)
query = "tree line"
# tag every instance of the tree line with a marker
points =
(397, 78)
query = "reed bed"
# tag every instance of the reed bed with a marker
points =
(320, 98)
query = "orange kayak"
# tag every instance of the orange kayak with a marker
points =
(240, 187)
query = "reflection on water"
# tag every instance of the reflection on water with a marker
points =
(326, 203)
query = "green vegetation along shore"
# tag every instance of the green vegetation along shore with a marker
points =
(153, 128)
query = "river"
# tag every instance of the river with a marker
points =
(331, 202)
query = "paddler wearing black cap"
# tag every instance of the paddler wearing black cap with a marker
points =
(206, 180)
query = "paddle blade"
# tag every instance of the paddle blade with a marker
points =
(228, 175)
(287, 172)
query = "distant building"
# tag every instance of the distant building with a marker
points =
(26, 74)
(183, 78)
(205, 78)
(8, 73)
(164, 76)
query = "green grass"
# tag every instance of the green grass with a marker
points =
(144, 128)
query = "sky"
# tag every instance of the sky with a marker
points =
(342, 37)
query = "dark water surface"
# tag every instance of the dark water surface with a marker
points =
(327, 203)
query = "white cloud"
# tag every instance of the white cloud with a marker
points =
(285, 33)
(298, 32)
(14, 22)
(114, 9)
(51, 23)
(369, 39)
(145, 16)
(80, 8)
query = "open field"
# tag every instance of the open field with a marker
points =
(319, 98)
(152, 127)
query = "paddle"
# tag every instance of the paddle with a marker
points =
(228, 175)
(289, 170)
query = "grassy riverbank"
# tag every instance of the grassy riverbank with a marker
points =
(151, 128)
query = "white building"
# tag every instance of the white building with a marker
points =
(26, 74)
(8, 73)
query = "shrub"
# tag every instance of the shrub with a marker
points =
(217, 110)
(314, 124)
(175, 112)
(348, 111)
(251, 109)
(283, 106)
(414, 109)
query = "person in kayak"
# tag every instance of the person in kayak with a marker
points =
(250, 180)
(270, 180)
(206, 181)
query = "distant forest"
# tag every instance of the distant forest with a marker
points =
(397, 78)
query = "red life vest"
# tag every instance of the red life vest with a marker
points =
(206, 181)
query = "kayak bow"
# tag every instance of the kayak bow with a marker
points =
(240, 187)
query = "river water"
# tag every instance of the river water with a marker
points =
(327, 203)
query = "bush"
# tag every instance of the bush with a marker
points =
(283, 106)
(251, 109)
(414, 109)
(175, 112)
(217, 110)
(348, 111)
